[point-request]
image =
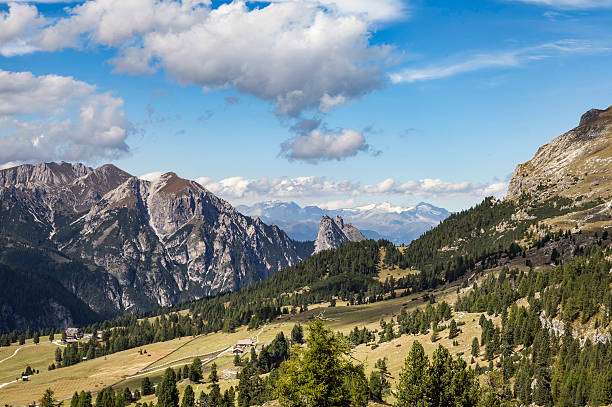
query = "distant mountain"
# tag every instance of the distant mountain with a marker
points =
(120, 243)
(382, 220)
(334, 232)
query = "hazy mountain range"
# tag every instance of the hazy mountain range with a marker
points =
(381, 220)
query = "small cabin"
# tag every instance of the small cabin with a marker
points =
(241, 346)
(244, 343)
(73, 335)
(25, 378)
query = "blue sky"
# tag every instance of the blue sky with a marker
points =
(333, 102)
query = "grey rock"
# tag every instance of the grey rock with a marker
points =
(334, 232)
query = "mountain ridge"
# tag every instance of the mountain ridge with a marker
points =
(375, 221)
(142, 244)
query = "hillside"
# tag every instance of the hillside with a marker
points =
(123, 244)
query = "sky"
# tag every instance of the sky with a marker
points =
(337, 103)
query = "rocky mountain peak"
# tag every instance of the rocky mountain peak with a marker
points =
(334, 232)
(575, 164)
(42, 175)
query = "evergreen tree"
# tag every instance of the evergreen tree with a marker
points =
(315, 375)
(297, 334)
(214, 397)
(48, 400)
(74, 402)
(167, 394)
(36, 338)
(475, 347)
(85, 399)
(147, 387)
(188, 397)
(195, 372)
(127, 395)
(412, 380)
(453, 331)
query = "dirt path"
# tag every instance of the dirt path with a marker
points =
(5, 359)
(6, 384)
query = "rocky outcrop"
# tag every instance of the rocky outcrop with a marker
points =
(334, 232)
(158, 242)
(575, 164)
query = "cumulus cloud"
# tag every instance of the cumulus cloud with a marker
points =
(433, 188)
(320, 146)
(53, 117)
(322, 189)
(18, 20)
(570, 4)
(296, 55)
(281, 187)
(379, 10)
(513, 58)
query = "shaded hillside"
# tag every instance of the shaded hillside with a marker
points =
(33, 301)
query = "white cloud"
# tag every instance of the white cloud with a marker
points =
(318, 145)
(432, 187)
(54, 117)
(151, 176)
(339, 193)
(16, 21)
(379, 10)
(570, 4)
(279, 188)
(513, 58)
(296, 55)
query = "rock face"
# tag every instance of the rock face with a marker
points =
(575, 164)
(334, 232)
(142, 244)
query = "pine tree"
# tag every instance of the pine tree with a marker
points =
(188, 397)
(195, 372)
(297, 334)
(48, 400)
(36, 338)
(412, 381)
(167, 394)
(453, 331)
(147, 387)
(315, 375)
(214, 397)
(85, 399)
(475, 347)
(74, 402)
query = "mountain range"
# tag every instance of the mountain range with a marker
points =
(397, 224)
(80, 243)
(119, 243)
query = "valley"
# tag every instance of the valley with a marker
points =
(512, 296)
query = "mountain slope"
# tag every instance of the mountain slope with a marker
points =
(575, 164)
(544, 212)
(120, 243)
(42, 303)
